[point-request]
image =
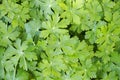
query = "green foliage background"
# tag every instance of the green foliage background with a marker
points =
(59, 39)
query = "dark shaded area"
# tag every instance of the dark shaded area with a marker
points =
(0, 1)
(95, 78)
(117, 46)
(72, 33)
(95, 59)
(19, 2)
(100, 74)
(60, 19)
(8, 23)
(79, 62)
(23, 34)
(52, 10)
(115, 0)
(68, 27)
(95, 47)
(4, 19)
(103, 19)
(36, 37)
(81, 35)
(32, 75)
(28, 20)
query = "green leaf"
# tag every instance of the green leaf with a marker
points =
(32, 27)
(76, 19)
(78, 4)
(53, 26)
(108, 15)
(23, 63)
(115, 58)
(2, 74)
(59, 39)
(7, 33)
(30, 56)
(21, 73)
(91, 36)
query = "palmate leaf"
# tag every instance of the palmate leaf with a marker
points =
(9, 7)
(91, 35)
(89, 16)
(48, 7)
(59, 39)
(66, 42)
(85, 50)
(95, 10)
(54, 26)
(7, 33)
(62, 45)
(32, 29)
(22, 15)
(11, 58)
(45, 66)
(71, 14)
(58, 63)
(17, 14)
(87, 70)
(25, 55)
(104, 53)
(35, 3)
(108, 33)
(52, 68)
(16, 53)
(55, 60)
(105, 35)
(53, 47)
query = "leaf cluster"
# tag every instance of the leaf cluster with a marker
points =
(59, 40)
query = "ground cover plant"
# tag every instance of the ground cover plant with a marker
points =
(59, 39)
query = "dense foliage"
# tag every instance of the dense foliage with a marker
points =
(59, 39)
